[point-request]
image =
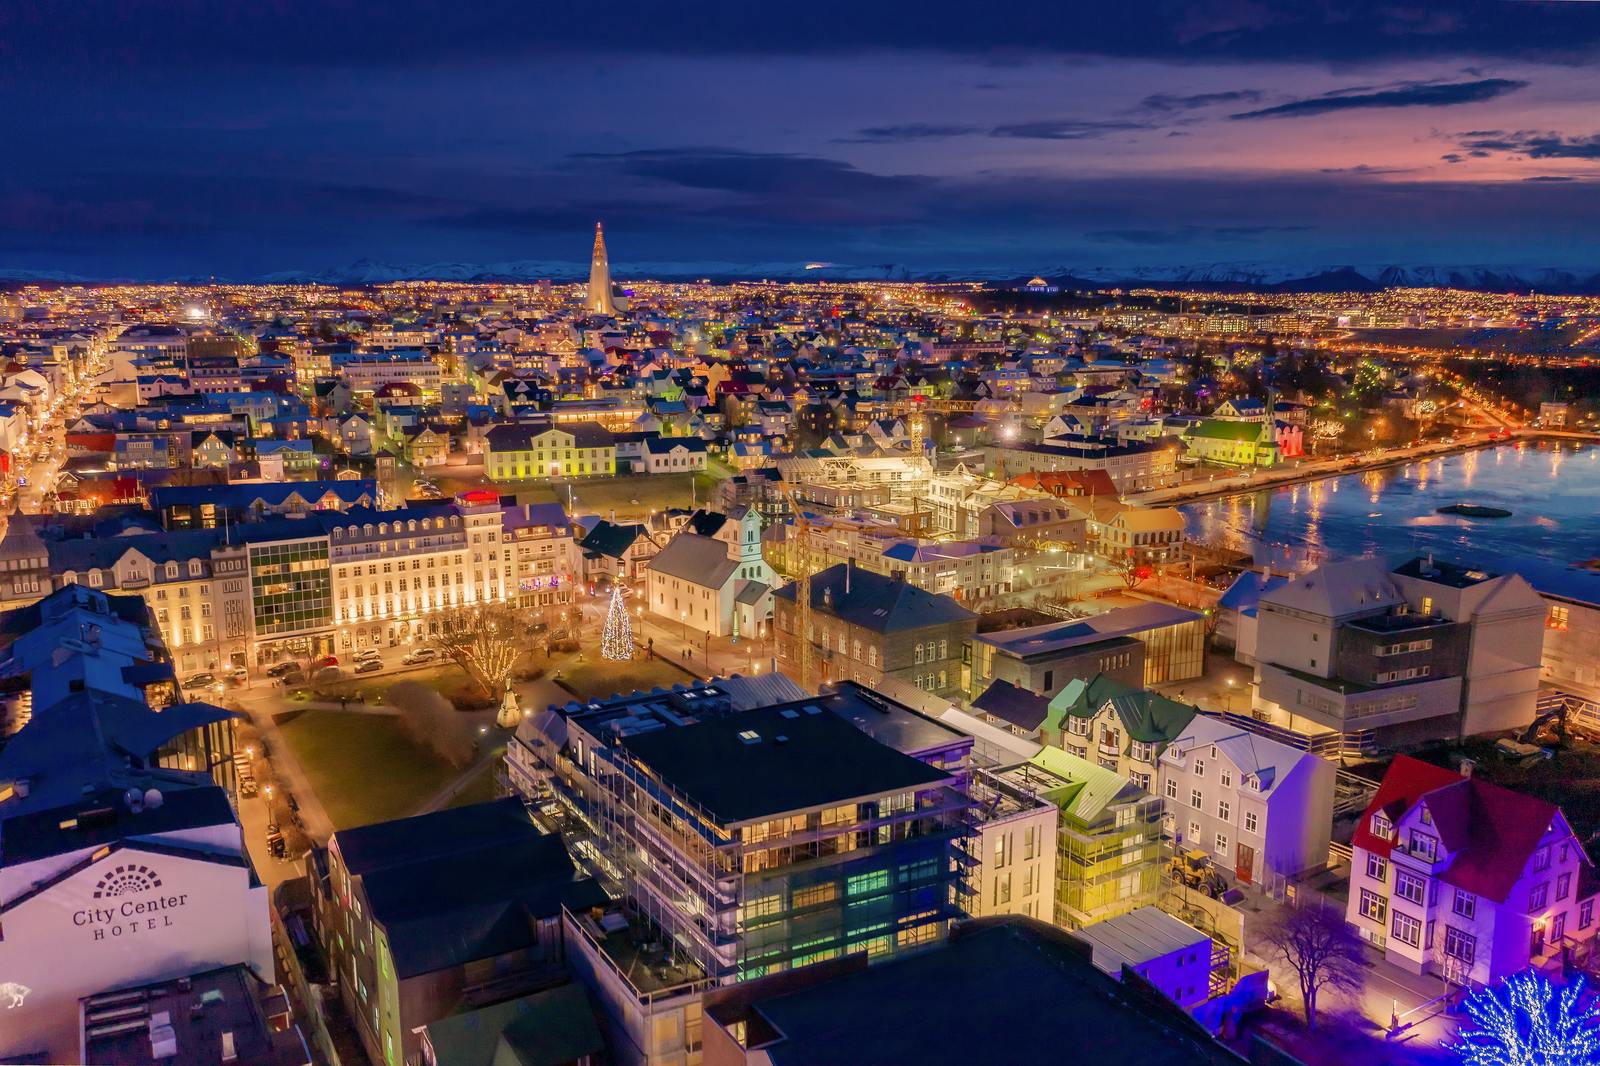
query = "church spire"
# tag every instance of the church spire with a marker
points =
(599, 299)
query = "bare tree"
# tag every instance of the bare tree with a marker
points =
(1130, 569)
(485, 641)
(1321, 949)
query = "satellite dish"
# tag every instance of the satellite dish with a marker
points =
(153, 798)
(134, 799)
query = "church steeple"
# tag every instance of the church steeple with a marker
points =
(599, 299)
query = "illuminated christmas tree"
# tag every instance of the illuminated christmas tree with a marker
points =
(1526, 1021)
(616, 642)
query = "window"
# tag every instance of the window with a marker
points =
(1249, 821)
(1408, 886)
(1464, 904)
(1407, 929)
(1539, 896)
(1172, 788)
(1459, 945)
(1556, 618)
(1377, 867)
(1381, 826)
(1373, 906)
(1541, 858)
(1586, 914)
(1196, 800)
(1424, 846)
(1227, 777)
(1222, 844)
(1224, 810)
(1563, 886)
(1199, 768)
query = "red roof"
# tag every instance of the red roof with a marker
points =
(1489, 832)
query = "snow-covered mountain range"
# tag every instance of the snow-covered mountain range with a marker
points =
(1230, 277)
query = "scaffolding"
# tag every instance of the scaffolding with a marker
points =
(738, 901)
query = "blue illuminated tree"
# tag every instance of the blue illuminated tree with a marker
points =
(1527, 1021)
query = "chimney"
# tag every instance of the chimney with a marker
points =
(1467, 766)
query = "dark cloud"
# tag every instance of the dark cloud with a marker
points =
(1550, 177)
(1190, 234)
(1365, 168)
(1066, 129)
(1437, 94)
(913, 131)
(1167, 103)
(113, 37)
(1534, 144)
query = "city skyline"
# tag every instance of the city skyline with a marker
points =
(200, 141)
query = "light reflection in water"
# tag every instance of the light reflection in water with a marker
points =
(1395, 511)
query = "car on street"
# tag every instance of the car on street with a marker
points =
(238, 675)
(280, 669)
(326, 660)
(200, 681)
(367, 654)
(420, 655)
(368, 666)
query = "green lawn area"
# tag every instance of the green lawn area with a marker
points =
(598, 678)
(361, 766)
(482, 787)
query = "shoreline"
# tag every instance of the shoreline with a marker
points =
(1176, 496)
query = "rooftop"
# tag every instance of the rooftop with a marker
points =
(219, 1016)
(767, 761)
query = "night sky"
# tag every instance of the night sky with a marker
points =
(175, 137)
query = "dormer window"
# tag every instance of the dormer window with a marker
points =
(172, 571)
(1423, 846)
(1382, 827)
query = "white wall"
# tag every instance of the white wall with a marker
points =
(63, 944)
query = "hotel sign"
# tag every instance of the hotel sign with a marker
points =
(129, 900)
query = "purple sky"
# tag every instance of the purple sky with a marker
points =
(244, 139)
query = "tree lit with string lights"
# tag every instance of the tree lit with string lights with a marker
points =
(616, 641)
(1527, 1021)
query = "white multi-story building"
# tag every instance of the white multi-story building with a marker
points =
(1454, 876)
(1262, 809)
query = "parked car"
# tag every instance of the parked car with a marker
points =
(198, 681)
(368, 666)
(421, 655)
(326, 660)
(289, 677)
(367, 654)
(280, 669)
(238, 675)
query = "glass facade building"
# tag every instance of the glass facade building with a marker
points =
(291, 587)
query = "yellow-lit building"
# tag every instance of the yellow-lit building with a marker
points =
(520, 451)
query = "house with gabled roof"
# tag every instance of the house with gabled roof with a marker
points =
(1454, 876)
(1118, 726)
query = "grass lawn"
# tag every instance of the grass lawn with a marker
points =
(597, 678)
(482, 787)
(361, 766)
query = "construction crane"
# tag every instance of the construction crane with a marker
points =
(802, 597)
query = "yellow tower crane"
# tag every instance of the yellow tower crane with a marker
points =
(802, 598)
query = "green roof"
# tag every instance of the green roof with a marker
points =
(1147, 716)
(1089, 789)
(545, 1029)
(1224, 429)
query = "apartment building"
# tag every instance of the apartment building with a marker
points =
(328, 581)
(1388, 658)
(704, 809)
(425, 917)
(1457, 877)
(524, 450)
(1015, 843)
(1263, 810)
(866, 627)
